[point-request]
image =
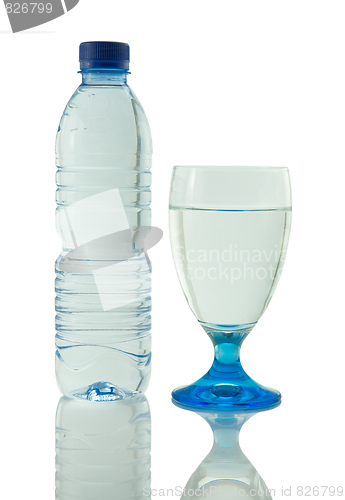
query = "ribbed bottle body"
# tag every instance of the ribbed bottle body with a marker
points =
(103, 281)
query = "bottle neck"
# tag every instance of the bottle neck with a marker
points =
(92, 76)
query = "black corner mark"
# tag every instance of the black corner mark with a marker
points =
(26, 14)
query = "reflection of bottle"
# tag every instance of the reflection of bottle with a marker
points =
(103, 155)
(103, 449)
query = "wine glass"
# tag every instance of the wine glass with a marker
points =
(229, 230)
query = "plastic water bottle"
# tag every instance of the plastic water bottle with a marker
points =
(103, 277)
(103, 449)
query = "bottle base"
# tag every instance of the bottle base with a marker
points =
(102, 391)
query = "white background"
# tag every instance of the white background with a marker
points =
(222, 82)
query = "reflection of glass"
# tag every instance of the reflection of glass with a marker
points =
(229, 229)
(226, 472)
(103, 449)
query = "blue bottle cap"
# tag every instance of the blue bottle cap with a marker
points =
(104, 55)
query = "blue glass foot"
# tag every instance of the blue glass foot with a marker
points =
(226, 386)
